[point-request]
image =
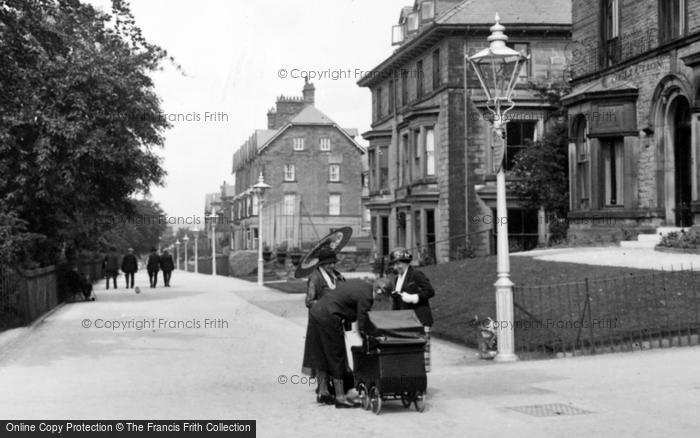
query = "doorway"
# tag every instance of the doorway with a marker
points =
(682, 163)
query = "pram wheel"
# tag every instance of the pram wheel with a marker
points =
(407, 399)
(375, 400)
(419, 403)
(364, 397)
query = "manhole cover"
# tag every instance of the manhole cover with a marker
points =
(549, 410)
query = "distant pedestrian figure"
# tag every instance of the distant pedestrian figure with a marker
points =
(129, 267)
(110, 266)
(167, 265)
(153, 266)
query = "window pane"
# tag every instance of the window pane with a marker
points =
(419, 78)
(289, 201)
(416, 155)
(289, 172)
(299, 144)
(519, 135)
(436, 69)
(325, 144)
(430, 152)
(334, 205)
(334, 172)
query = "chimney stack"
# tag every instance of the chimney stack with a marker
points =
(271, 119)
(308, 92)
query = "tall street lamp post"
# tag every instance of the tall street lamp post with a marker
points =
(498, 67)
(213, 218)
(186, 239)
(196, 250)
(177, 259)
(259, 188)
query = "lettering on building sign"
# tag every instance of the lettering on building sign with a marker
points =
(655, 65)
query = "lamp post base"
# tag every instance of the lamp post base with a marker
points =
(261, 272)
(505, 357)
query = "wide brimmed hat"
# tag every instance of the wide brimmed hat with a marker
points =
(326, 256)
(334, 242)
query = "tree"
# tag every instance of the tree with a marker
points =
(79, 119)
(542, 169)
(139, 231)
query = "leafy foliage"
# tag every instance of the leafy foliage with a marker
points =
(681, 239)
(80, 120)
(542, 169)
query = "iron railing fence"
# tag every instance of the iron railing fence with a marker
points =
(635, 312)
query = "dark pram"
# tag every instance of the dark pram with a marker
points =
(390, 363)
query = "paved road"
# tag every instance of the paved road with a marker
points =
(58, 369)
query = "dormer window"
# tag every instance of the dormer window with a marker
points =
(427, 11)
(412, 22)
(398, 34)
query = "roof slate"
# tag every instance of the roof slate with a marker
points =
(510, 11)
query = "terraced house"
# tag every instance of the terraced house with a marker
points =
(431, 174)
(634, 117)
(315, 171)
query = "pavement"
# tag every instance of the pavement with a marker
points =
(237, 355)
(641, 258)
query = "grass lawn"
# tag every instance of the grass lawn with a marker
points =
(631, 305)
(643, 303)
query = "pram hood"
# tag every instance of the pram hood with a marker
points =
(394, 327)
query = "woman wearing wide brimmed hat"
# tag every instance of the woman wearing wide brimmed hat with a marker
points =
(319, 265)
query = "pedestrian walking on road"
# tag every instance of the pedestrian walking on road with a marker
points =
(153, 266)
(110, 266)
(167, 266)
(410, 289)
(129, 267)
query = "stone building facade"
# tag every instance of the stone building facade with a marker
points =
(634, 116)
(315, 171)
(431, 175)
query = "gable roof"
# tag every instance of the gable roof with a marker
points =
(510, 11)
(310, 115)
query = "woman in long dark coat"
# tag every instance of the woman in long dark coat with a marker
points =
(326, 340)
(321, 281)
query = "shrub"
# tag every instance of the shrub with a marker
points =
(682, 239)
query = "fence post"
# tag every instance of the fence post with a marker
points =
(590, 317)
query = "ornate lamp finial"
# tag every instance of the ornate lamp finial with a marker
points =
(497, 37)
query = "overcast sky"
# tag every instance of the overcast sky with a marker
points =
(232, 53)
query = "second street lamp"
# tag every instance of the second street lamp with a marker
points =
(196, 251)
(186, 239)
(498, 67)
(213, 219)
(259, 188)
(177, 259)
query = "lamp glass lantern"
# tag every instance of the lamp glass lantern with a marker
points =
(497, 67)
